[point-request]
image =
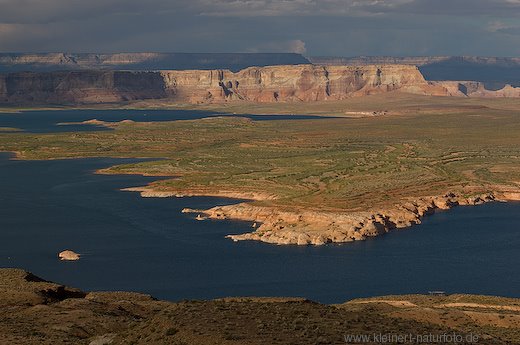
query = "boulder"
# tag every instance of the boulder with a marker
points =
(68, 255)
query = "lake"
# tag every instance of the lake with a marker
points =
(45, 121)
(148, 245)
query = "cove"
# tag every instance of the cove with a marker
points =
(147, 244)
(48, 121)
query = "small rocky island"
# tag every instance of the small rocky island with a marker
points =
(68, 255)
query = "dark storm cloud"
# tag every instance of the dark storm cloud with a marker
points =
(319, 27)
(462, 7)
(513, 30)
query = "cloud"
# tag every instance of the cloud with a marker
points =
(48, 11)
(511, 30)
(256, 8)
(501, 27)
(314, 27)
(462, 7)
(253, 8)
(297, 46)
(290, 46)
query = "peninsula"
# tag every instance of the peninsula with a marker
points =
(388, 160)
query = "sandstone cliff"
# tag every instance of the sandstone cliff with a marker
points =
(256, 84)
(79, 87)
(494, 72)
(304, 227)
(413, 60)
(307, 227)
(476, 89)
(291, 83)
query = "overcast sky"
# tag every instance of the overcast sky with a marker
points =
(312, 27)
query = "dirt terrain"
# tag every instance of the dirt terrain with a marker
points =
(38, 312)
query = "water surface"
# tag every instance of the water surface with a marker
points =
(148, 245)
(46, 121)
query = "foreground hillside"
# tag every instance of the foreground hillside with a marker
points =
(38, 312)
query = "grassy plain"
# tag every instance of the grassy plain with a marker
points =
(424, 146)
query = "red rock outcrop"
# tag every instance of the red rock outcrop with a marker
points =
(495, 72)
(476, 89)
(290, 83)
(79, 87)
(308, 227)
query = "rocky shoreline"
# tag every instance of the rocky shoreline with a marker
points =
(149, 192)
(307, 227)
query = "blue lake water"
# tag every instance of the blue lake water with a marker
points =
(148, 245)
(44, 121)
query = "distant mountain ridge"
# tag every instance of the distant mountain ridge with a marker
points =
(494, 72)
(288, 83)
(48, 62)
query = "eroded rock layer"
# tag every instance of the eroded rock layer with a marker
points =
(290, 83)
(256, 84)
(79, 87)
(495, 72)
(308, 227)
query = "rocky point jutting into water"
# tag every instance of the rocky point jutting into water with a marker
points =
(285, 226)
(298, 83)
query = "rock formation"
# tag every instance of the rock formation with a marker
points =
(36, 312)
(256, 84)
(79, 87)
(298, 83)
(495, 72)
(292, 83)
(307, 227)
(68, 255)
(476, 89)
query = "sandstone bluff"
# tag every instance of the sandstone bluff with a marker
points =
(290, 83)
(307, 227)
